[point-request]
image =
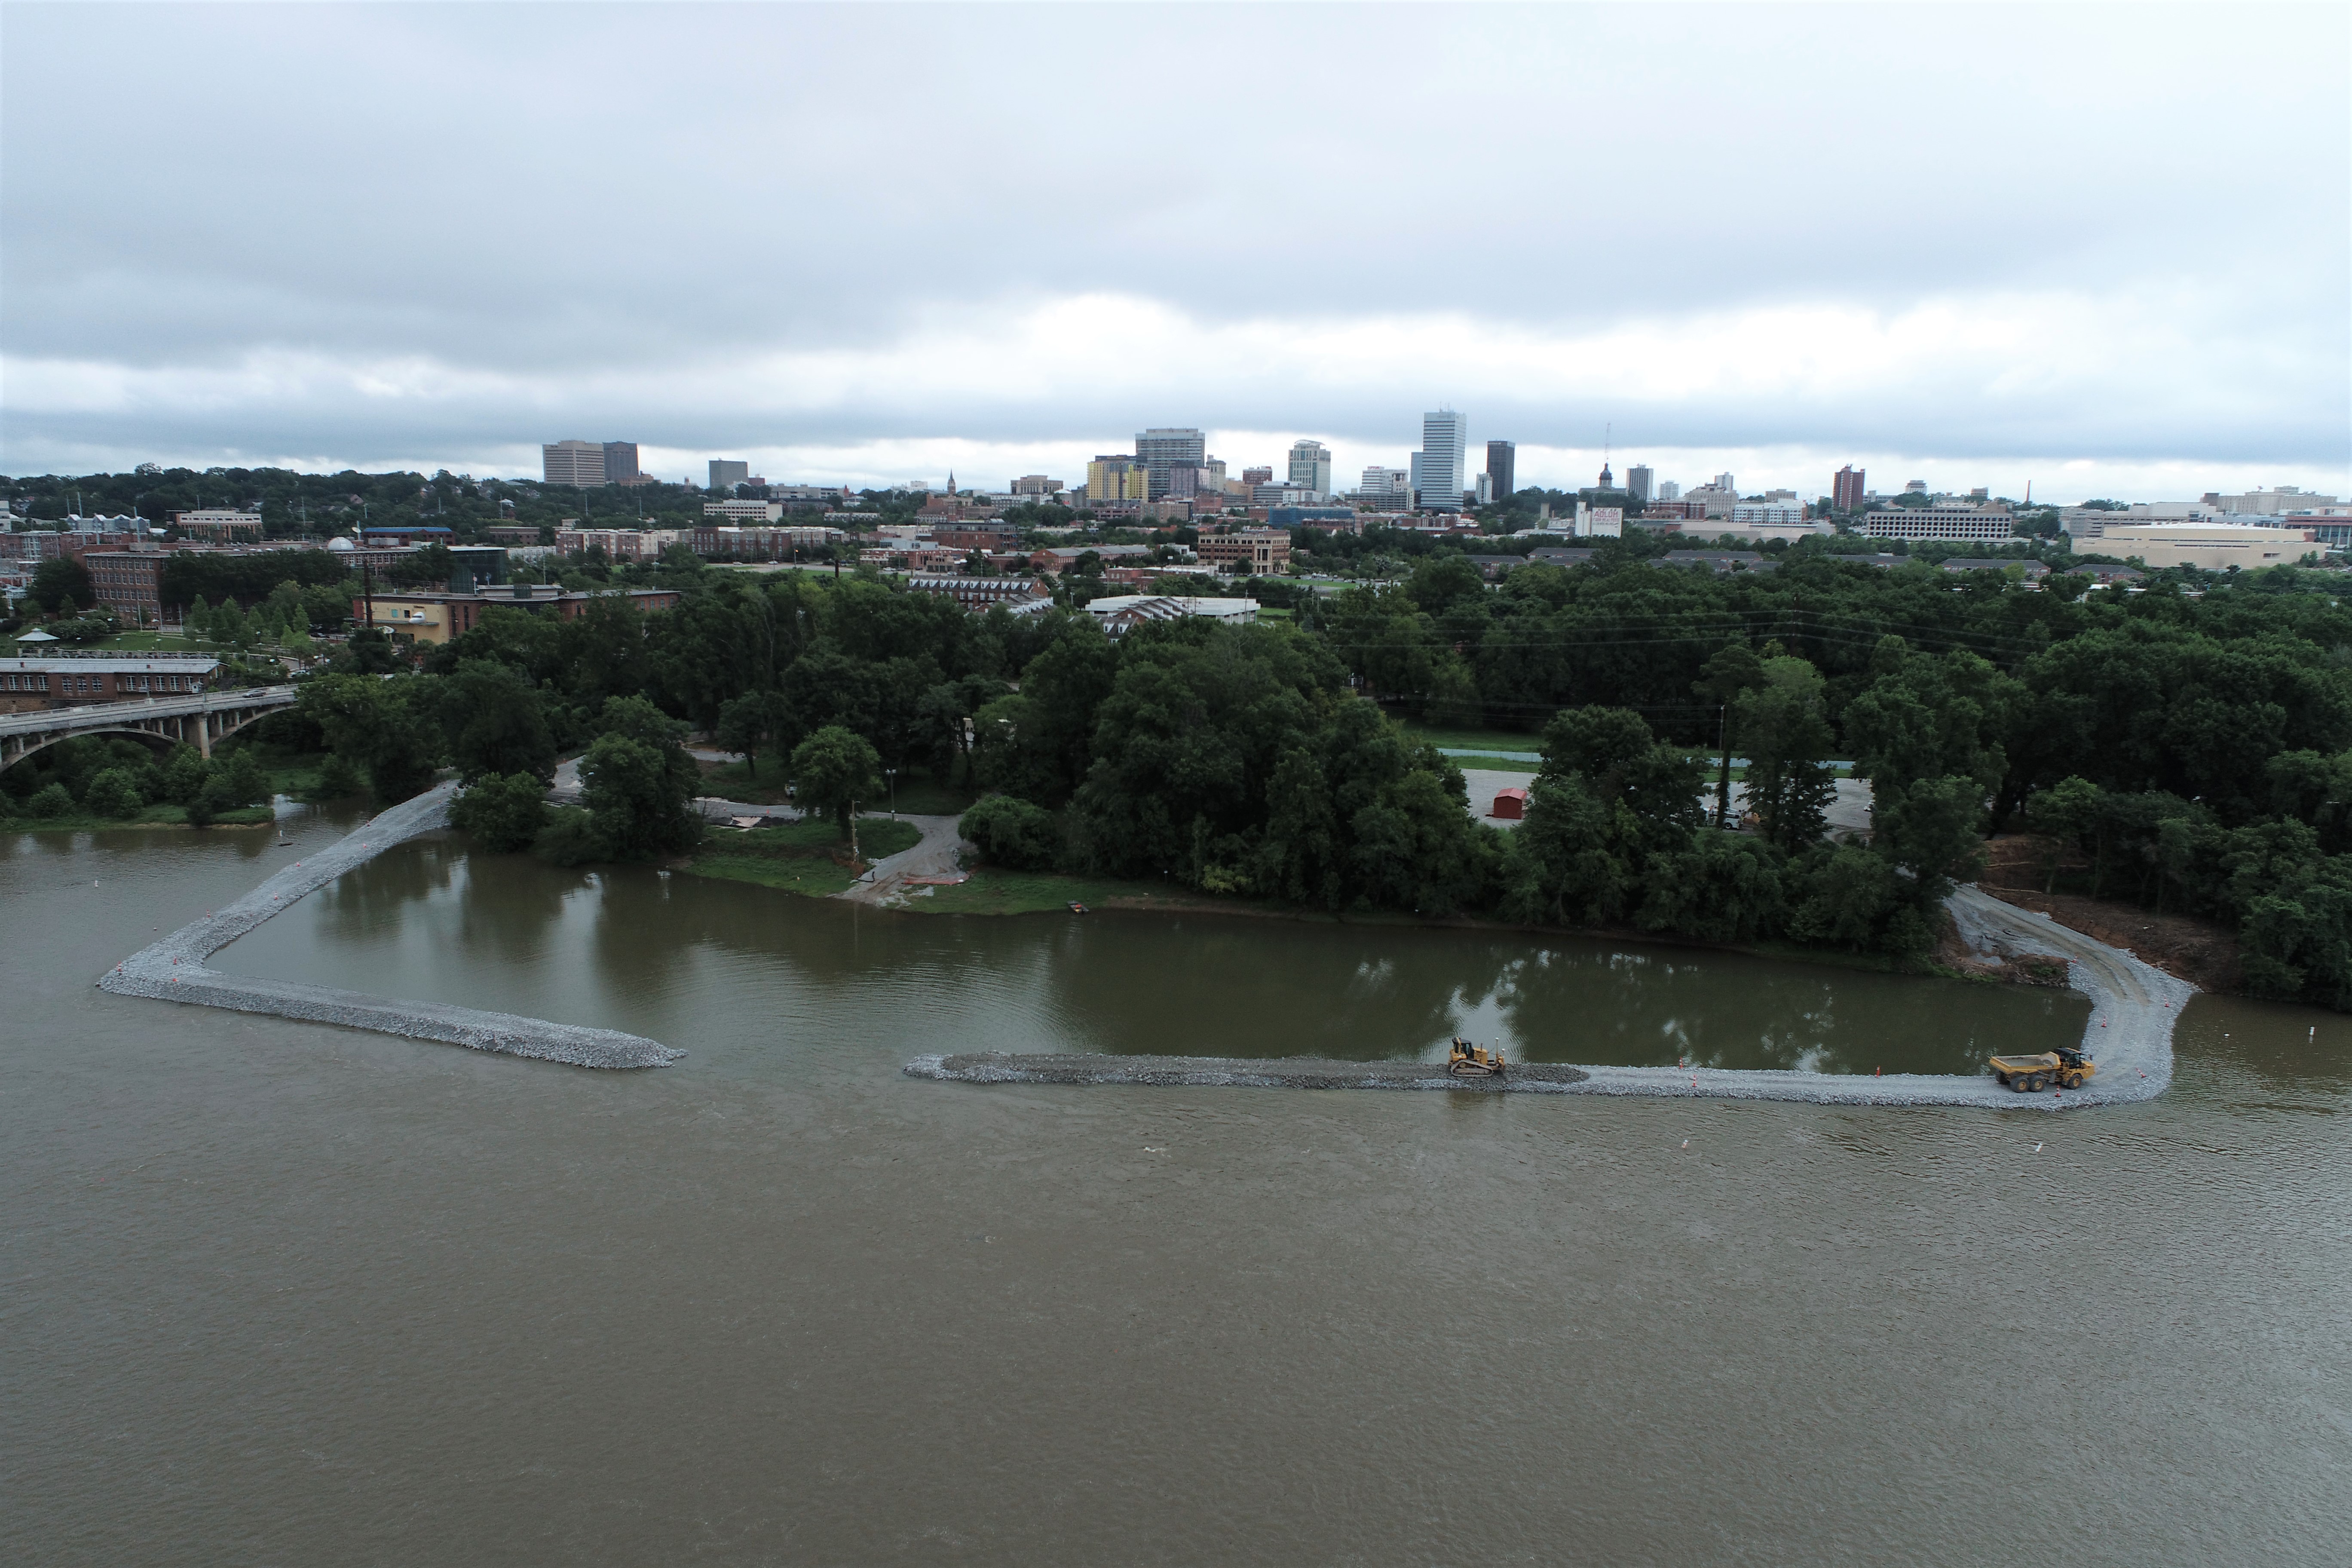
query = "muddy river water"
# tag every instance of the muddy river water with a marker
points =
(280, 1293)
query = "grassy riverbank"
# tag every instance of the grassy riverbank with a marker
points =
(991, 891)
(806, 858)
(159, 815)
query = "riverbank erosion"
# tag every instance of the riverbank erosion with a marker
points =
(2134, 1007)
(173, 969)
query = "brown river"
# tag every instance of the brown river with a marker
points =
(281, 1293)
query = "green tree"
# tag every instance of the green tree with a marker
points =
(506, 811)
(1012, 833)
(1730, 672)
(495, 719)
(114, 793)
(372, 722)
(634, 799)
(1933, 830)
(746, 724)
(1784, 729)
(62, 585)
(49, 800)
(241, 780)
(184, 776)
(338, 780)
(833, 770)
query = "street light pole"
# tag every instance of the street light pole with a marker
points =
(892, 773)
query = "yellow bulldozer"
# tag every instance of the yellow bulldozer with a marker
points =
(2066, 1067)
(1468, 1062)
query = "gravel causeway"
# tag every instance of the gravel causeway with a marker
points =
(173, 969)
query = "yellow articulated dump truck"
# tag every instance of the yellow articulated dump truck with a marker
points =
(2066, 1067)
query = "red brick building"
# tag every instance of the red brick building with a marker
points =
(74, 681)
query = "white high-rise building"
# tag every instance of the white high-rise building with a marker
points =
(1310, 466)
(578, 463)
(1444, 441)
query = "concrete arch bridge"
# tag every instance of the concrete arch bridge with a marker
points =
(199, 720)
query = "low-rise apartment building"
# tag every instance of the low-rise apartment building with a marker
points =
(752, 543)
(617, 544)
(976, 593)
(220, 525)
(436, 617)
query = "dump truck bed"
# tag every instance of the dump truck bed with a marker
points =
(2046, 1062)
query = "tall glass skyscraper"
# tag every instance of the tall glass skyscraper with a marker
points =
(1443, 446)
(1160, 450)
(1502, 467)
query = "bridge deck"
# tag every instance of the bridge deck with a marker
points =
(100, 715)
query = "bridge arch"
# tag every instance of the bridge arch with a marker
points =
(180, 723)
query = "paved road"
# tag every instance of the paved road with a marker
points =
(935, 856)
(1849, 813)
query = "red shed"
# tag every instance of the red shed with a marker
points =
(1510, 804)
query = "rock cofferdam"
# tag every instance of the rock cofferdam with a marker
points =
(173, 969)
(2132, 1009)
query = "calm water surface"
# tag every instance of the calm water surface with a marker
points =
(276, 1293)
(745, 974)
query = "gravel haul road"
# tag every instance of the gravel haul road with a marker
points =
(173, 969)
(2134, 1006)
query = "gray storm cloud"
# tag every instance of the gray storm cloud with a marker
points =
(362, 232)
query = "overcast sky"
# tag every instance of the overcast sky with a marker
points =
(2106, 250)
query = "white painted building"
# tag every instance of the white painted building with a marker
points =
(745, 511)
(1120, 612)
(2215, 547)
(1953, 521)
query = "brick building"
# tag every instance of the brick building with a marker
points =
(75, 680)
(758, 543)
(981, 593)
(1260, 550)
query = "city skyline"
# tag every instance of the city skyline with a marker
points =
(2178, 322)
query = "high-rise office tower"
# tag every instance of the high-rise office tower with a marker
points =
(1158, 450)
(1502, 467)
(1845, 489)
(572, 463)
(726, 473)
(1116, 476)
(1724, 482)
(1669, 490)
(1310, 466)
(1640, 481)
(620, 462)
(1442, 447)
